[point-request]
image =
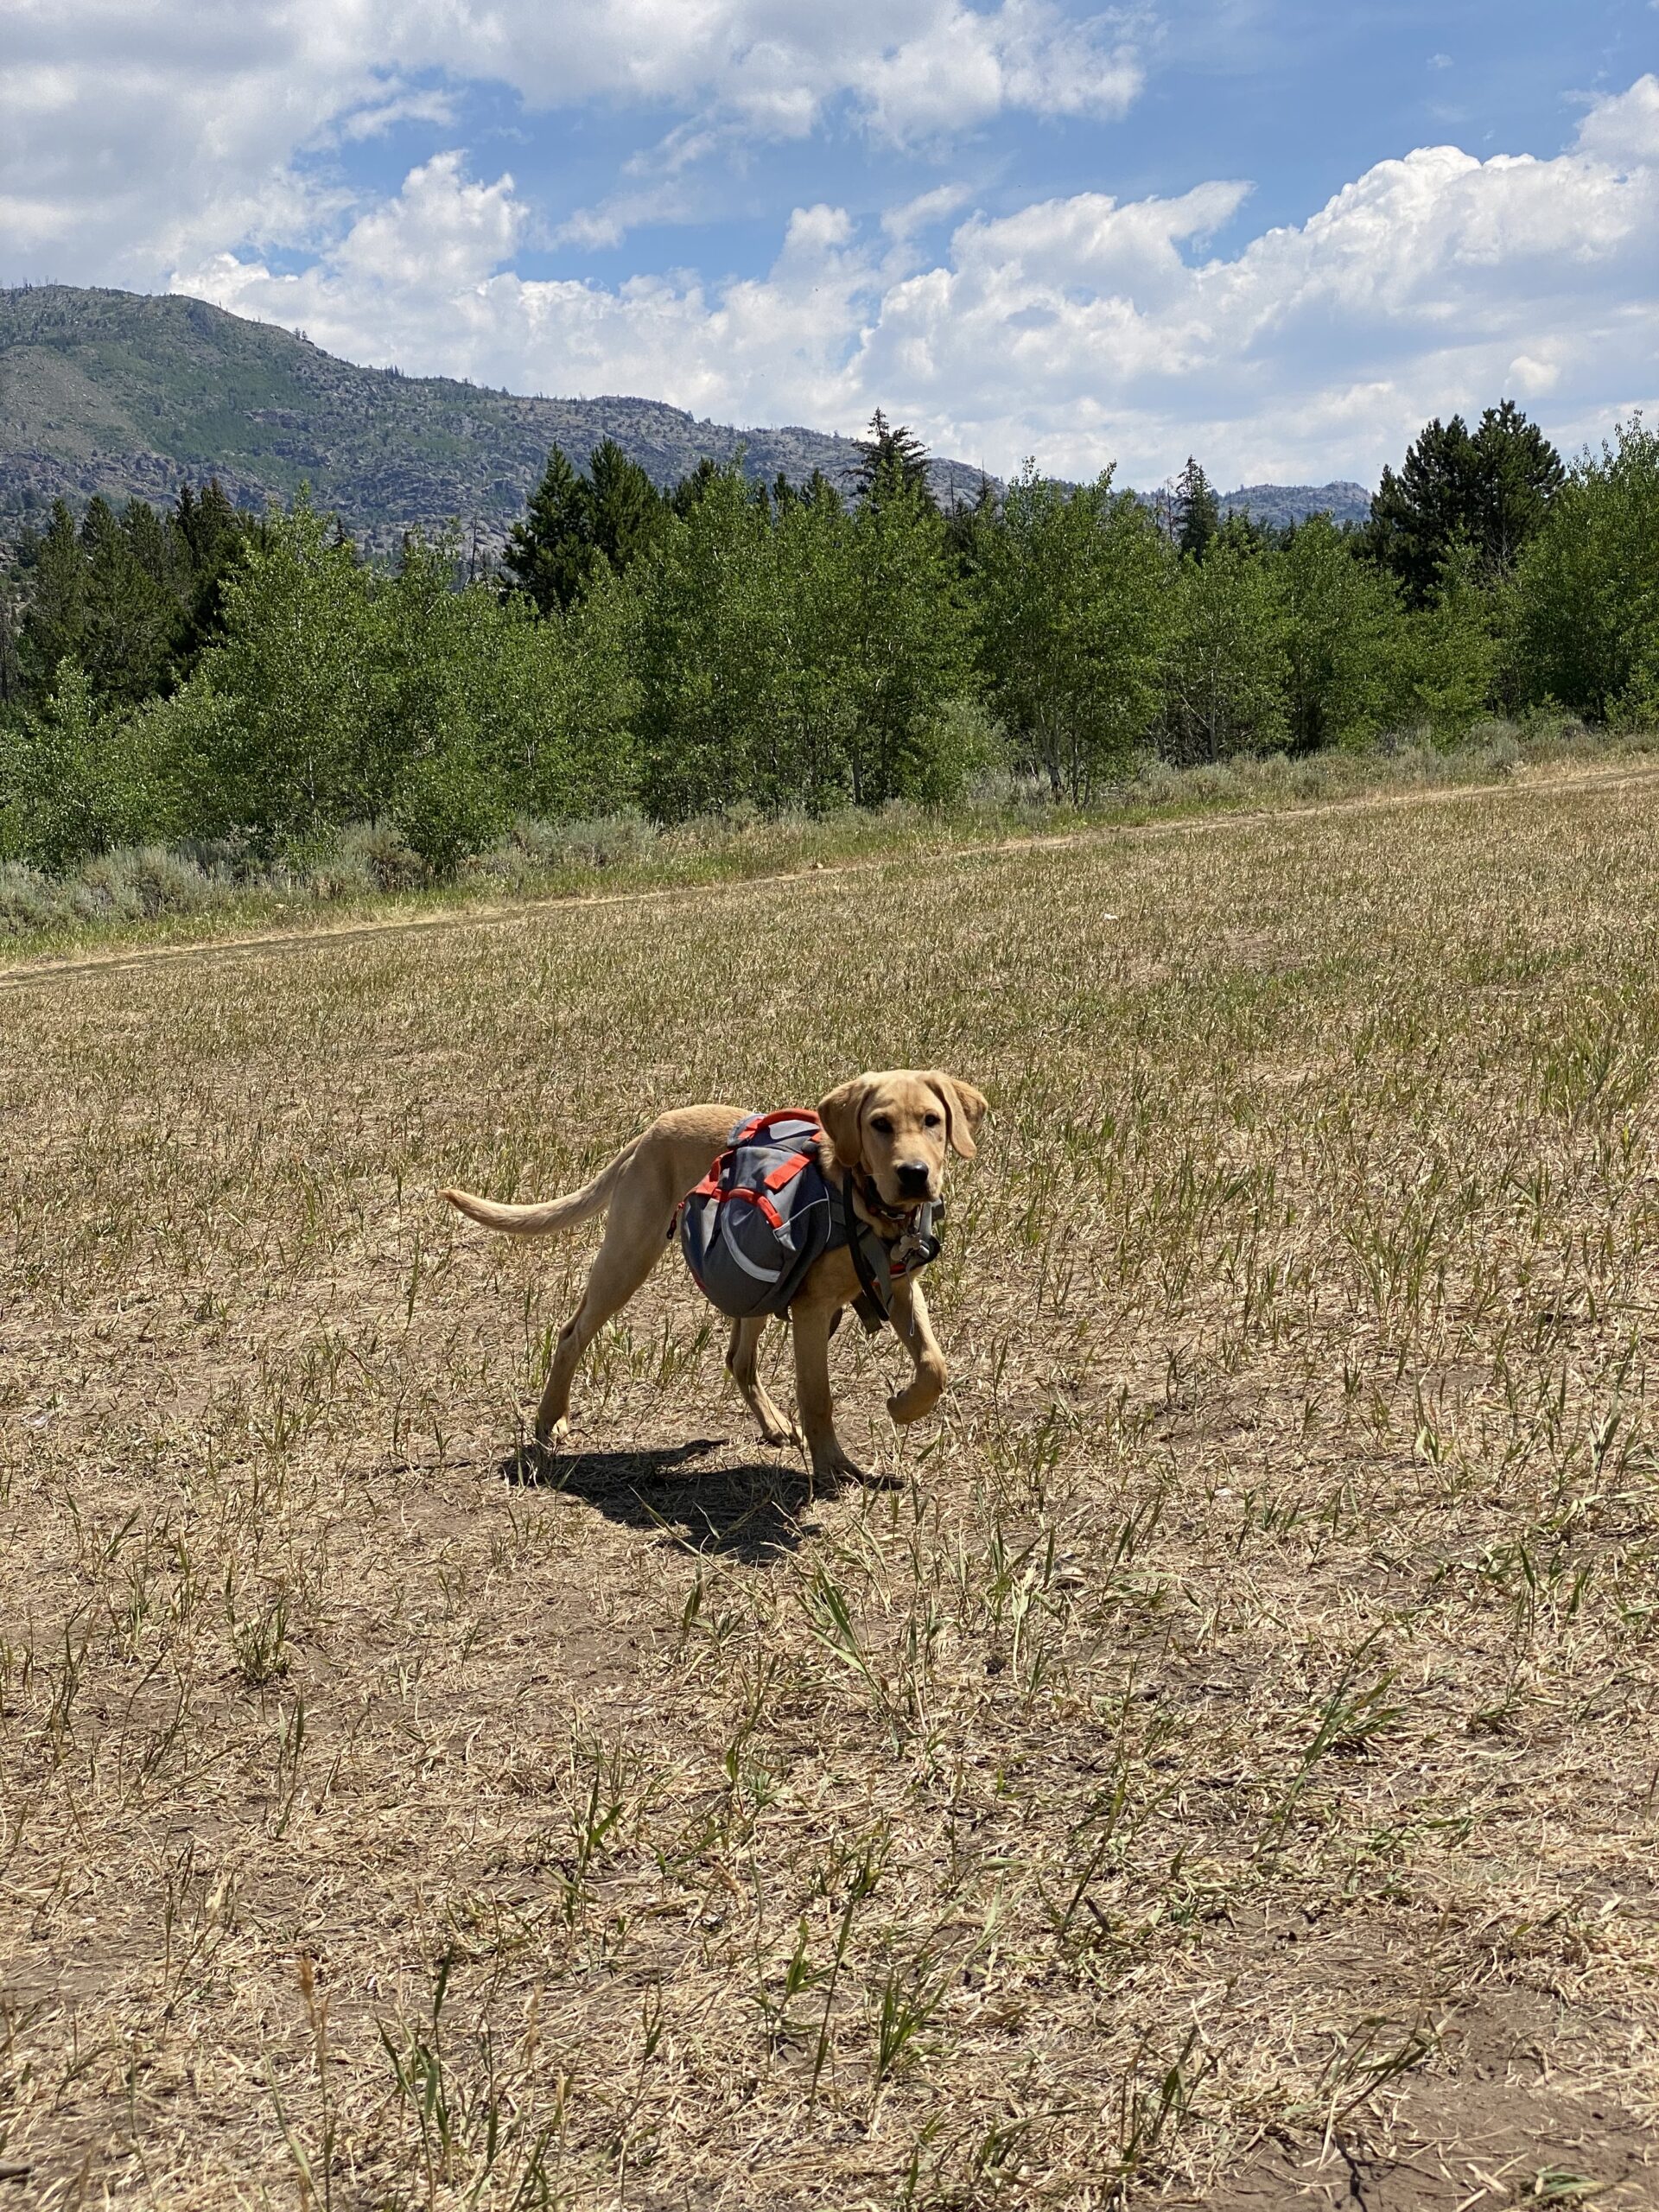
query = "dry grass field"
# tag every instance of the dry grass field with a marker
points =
(1216, 1764)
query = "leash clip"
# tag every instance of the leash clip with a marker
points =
(918, 1247)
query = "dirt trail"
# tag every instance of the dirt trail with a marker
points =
(517, 913)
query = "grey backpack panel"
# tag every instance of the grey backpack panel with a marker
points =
(762, 1216)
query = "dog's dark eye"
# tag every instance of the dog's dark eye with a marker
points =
(882, 1125)
(929, 1121)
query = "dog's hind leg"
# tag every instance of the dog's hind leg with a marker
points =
(636, 1236)
(741, 1354)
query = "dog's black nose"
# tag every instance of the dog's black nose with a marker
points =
(913, 1179)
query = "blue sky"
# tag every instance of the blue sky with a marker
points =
(1274, 233)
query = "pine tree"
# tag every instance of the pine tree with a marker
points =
(1489, 488)
(132, 615)
(612, 513)
(1418, 514)
(155, 548)
(1519, 473)
(54, 625)
(969, 529)
(212, 527)
(214, 536)
(550, 554)
(11, 667)
(1198, 511)
(892, 460)
(183, 519)
(692, 487)
(626, 511)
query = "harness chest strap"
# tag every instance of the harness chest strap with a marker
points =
(905, 1256)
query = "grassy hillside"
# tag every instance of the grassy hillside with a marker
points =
(122, 392)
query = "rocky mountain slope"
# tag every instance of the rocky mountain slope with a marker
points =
(1279, 504)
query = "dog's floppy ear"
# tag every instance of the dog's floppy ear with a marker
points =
(964, 1109)
(840, 1114)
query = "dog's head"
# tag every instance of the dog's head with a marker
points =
(896, 1127)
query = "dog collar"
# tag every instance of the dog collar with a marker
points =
(888, 1222)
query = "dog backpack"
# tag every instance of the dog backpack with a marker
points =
(765, 1213)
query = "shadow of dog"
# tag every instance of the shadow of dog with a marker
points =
(752, 1511)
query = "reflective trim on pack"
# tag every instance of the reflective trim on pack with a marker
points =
(761, 1274)
(790, 1169)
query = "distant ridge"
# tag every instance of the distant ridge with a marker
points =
(1280, 504)
(129, 393)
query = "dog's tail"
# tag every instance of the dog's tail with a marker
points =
(552, 1214)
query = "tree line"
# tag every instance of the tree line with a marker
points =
(203, 673)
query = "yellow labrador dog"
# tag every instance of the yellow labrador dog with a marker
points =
(888, 1135)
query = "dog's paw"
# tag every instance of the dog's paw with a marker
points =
(915, 1403)
(555, 1438)
(834, 1468)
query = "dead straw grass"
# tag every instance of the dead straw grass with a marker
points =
(1221, 1767)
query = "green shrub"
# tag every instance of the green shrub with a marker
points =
(74, 779)
(1072, 599)
(1582, 621)
(1226, 669)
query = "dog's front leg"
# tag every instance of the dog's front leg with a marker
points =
(922, 1393)
(810, 1321)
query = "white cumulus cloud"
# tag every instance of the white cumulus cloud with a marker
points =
(1082, 329)
(136, 134)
